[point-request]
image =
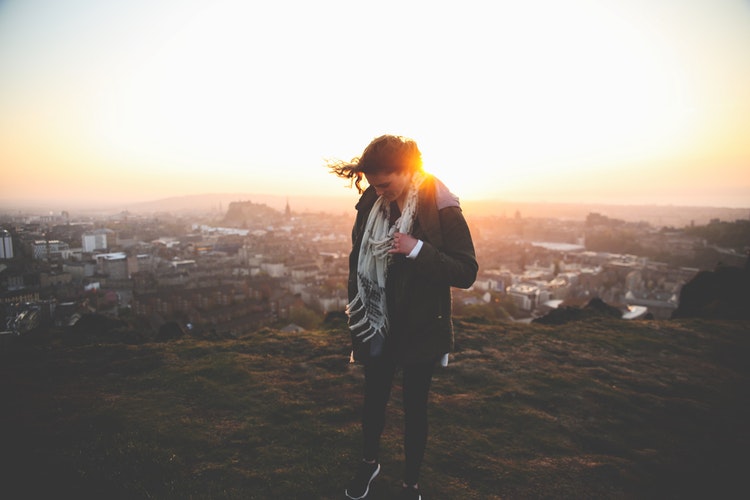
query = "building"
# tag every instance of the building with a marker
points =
(179, 265)
(6, 245)
(274, 269)
(46, 249)
(525, 295)
(79, 270)
(113, 265)
(52, 279)
(95, 240)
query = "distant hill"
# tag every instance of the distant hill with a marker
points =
(599, 409)
(240, 213)
(219, 202)
(658, 215)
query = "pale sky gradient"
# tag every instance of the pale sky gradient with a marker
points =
(618, 101)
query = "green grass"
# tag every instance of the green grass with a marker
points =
(598, 409)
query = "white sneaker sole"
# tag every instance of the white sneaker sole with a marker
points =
(367, 489)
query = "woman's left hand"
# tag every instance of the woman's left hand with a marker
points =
(403, 243)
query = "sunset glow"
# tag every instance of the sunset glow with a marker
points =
(621, 101)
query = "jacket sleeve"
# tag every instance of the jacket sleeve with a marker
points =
(454, 263)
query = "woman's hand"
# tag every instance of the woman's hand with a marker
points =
(403, 243)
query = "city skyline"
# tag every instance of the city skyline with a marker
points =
(624, 102)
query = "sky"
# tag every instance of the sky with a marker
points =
(596, 101)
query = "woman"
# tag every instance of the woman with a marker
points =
(410, 245)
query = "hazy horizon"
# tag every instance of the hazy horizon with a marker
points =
(346, 197)
(216, 205)
(624, 102)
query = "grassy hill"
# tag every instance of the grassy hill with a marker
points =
(598, 409)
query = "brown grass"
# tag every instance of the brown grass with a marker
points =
(597, 409)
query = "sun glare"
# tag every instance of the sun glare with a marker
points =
(588, 94)
(539, 97)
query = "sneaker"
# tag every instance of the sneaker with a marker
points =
(410, 493)
(360, 485)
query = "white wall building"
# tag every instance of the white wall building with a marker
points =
(6, 245)
(95, 240)
(525, 295)
(274, 269)
(45, 249)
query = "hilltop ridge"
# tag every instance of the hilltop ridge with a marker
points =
(591, 409)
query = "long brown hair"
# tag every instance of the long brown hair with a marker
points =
(385, 154)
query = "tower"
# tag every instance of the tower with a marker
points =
(6, 245)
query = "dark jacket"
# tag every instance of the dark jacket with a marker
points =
(418, 291)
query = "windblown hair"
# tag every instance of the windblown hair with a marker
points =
(385, 154)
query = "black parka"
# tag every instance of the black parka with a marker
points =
(418, 292)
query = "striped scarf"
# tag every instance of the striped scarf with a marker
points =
(368, 315)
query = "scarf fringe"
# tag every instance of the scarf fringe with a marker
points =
(363, 328)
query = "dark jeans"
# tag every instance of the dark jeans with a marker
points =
(379, 375)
